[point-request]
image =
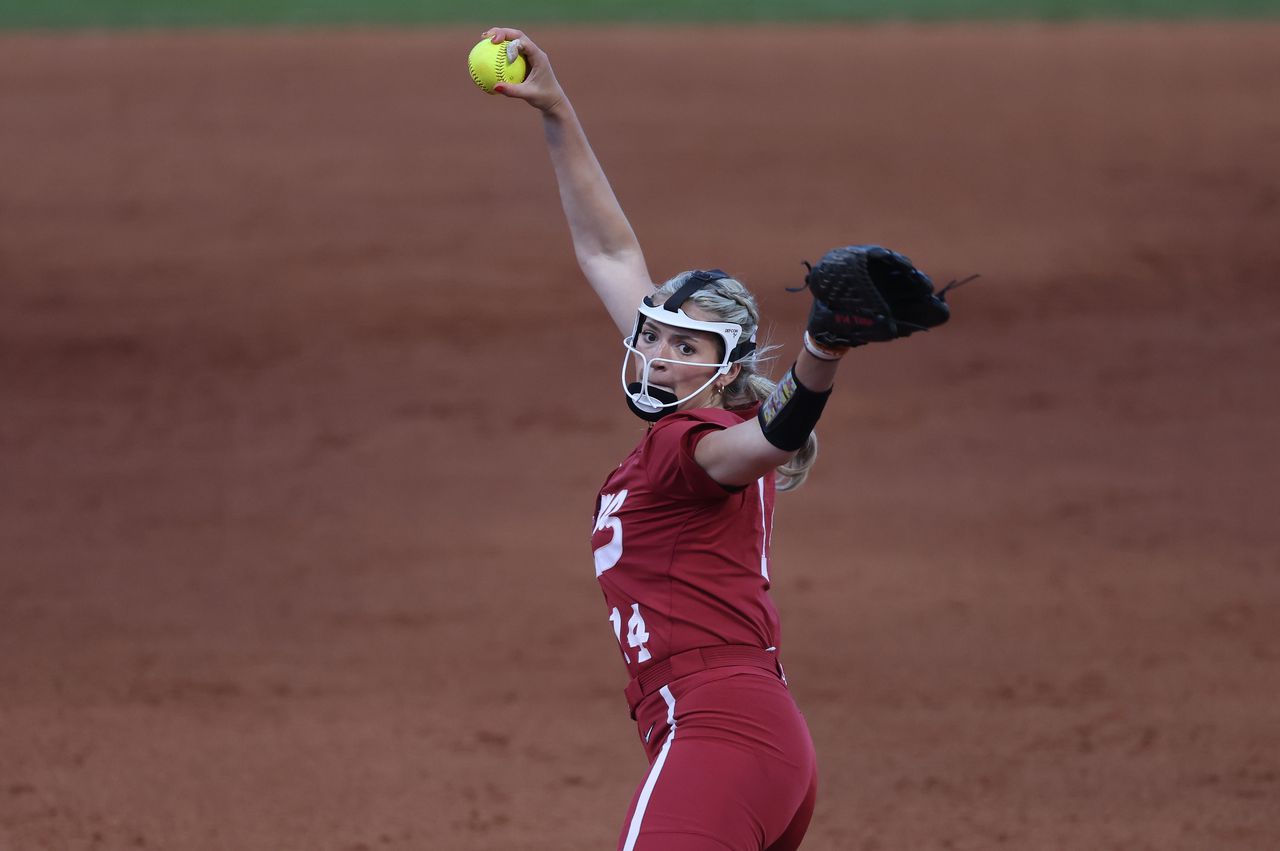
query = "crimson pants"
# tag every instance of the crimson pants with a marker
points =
(731, 766)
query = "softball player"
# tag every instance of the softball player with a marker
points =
(682, 529)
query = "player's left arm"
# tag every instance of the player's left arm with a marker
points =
(861, 294)
(738, 455)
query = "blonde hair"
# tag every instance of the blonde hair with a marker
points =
(729, 301)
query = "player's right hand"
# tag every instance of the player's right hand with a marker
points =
(540, 88)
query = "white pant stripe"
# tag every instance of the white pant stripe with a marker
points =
(643, 802)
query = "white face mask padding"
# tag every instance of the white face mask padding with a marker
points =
(651, 403)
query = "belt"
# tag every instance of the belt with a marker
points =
(699, 659)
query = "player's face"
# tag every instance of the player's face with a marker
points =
(678, 347)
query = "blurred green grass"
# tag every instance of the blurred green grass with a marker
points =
(225, 13)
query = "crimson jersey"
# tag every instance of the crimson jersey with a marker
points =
(683, 561)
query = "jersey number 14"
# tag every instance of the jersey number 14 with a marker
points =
(637, 635)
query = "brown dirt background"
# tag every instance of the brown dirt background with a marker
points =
(305, 406)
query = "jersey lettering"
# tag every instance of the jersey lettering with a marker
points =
(615, 618)
(609, 554)
(637, 633)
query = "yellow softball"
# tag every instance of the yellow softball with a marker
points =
(489, 65)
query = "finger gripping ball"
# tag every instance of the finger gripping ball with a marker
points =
(489, 65)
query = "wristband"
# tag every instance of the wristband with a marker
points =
(788, 416)
(821, 352)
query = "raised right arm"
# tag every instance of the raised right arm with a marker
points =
(605, 245)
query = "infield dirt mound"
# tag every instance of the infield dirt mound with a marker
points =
(305, 406)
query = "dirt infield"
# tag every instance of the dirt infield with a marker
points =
(304, 407)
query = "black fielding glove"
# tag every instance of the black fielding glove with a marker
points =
(870, 294)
